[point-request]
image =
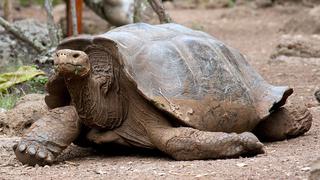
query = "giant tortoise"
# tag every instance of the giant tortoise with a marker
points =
(163, 87)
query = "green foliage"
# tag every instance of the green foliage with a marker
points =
(9, 98)
(197, 26)
(36, 85)
(25, 80)
(24, 73)
(231, 3)
(8, 101)
(26, 3)
(41, 80)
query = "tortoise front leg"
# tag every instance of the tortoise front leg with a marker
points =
(48, 136)
(191, 144)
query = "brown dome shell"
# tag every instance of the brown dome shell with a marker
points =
(189, 74)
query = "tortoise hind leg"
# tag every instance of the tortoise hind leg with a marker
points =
(190, 144)
(286, 122)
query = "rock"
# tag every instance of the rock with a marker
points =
(168, 5)
(298, 46)
(263, 3)
(305, 22)
(315, 170)
(27, 110)
(99, 171)
(241, 2)
(209, 4)
(305, 169)
(17, 52)
(212, 4)
(242, 164)
(185, 4)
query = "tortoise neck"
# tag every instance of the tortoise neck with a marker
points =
(97, 107)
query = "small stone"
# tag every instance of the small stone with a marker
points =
(201, 175)
(263, 3)
(99, 171)
(305, 169)
(242, 164)
(190, 111)
(71, 163)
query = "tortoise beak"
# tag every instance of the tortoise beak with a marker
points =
(71, 63)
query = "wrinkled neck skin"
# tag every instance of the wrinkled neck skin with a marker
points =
(97, 107)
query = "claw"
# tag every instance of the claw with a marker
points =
(22, 147)
(32, 150)
(49, 158)
(42, 154)
(33, 153)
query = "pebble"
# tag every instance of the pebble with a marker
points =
(242, 164)
(99, 171)
(305, 169)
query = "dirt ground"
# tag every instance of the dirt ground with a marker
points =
(255, 33)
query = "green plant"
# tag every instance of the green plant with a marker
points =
(197, 26)
(231, 3)
(38, 2)
(8, 101)
(41, 80)
(36, 85)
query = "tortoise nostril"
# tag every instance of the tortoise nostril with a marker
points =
(75, 55)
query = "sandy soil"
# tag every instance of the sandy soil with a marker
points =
(253, 32)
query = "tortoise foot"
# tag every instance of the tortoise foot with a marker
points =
(48, 137)
(287, 122)
(251, 144)
(32, 153)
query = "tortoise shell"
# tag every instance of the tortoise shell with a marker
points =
(189, 74)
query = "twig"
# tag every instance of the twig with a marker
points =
(7, 8)
(137, 8)
(157, 6)
(74, 17)
(52, 28)
(7, 26)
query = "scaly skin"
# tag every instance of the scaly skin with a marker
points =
(48, 137)
(143, 125)
(191, 144)
(286, 122)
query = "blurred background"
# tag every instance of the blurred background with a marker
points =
(31, 29)
(280, 39)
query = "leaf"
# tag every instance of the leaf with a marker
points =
(24, 73)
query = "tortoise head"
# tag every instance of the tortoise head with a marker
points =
(71, 63)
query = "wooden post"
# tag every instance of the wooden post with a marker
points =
(78, 8)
